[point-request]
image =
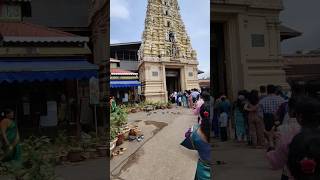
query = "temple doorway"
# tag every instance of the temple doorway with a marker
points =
(173, 81)
(218, 63)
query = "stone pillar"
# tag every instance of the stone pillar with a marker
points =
(99, 24)
(164, 82)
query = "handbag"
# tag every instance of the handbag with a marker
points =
(188, 142)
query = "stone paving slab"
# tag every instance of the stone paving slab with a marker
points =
(243, 163)
(162, 157)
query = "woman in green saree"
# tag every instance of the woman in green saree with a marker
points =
(113, 104)
(10, 136)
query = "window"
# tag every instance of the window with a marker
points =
(171, 37)
(167, 13)
(10, 11)
(257, 40)
(113, 54)
(120, 55)
(126, 55)
(13, 11)
(155, 73)
(133, 56)
(168, 23)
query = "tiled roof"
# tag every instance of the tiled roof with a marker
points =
(117, 71)
(287, 33)
(126, 43)
(26, 32)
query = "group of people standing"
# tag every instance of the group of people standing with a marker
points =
(185, 99)
(287, 127)
(251, 117)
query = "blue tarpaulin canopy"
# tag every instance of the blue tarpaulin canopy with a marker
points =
(124, 84)
(46, 69)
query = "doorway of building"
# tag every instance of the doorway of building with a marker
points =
(218, 64)
(173, 81)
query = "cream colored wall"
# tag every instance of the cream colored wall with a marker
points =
(249, 67)
(154, 88)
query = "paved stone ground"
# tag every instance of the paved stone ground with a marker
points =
(96, 169)
(162, 157)
(88, 170)
(243, 163)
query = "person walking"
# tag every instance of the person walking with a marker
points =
(255, 120)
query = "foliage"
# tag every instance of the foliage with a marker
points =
(62, 138)
(37, 162)
(127, 108)
(113, 132)
(3, 169)
(118, 118)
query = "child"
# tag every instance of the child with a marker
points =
(223, 122)
(304, 155)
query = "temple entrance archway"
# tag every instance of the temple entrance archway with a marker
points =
(173, 82)
(218, 63)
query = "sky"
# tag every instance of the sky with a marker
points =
(302, 16)
(127, 24)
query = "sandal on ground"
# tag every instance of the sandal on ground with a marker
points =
(116, 153)
(132, 138)
(123, 149)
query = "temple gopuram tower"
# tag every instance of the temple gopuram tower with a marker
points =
(167, 61)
